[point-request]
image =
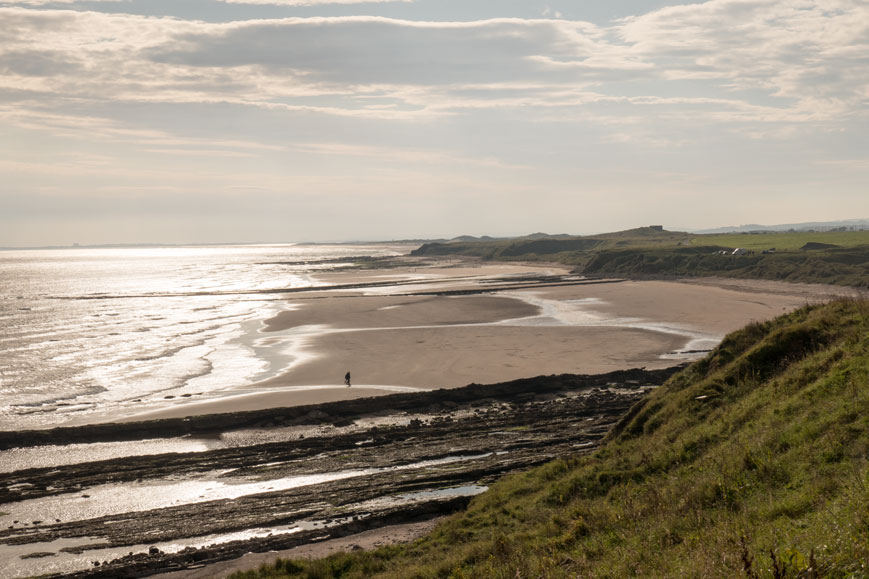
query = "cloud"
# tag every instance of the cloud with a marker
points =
(38, 63)
(94, 128)
(364, 67)
(401, 155)
(375, 50)
(45, 2)
(308, 2)
(812, 52)
(548, 12)
(737, 62)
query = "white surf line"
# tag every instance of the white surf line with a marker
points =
(290, 346)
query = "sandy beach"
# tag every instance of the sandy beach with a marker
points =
(452, 324)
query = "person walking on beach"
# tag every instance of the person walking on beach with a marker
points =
(347, 379)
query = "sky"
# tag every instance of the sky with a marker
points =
(208, 121)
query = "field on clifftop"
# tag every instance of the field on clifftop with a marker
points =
(753, 462)
(833, 257)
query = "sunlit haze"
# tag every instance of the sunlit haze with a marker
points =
(314, 120)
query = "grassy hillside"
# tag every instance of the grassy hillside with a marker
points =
(565, 247)
(836, 266)
(753, 462)
(840, 258)
(785, 240)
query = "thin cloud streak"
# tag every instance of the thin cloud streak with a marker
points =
(307, 2)
(46, 2)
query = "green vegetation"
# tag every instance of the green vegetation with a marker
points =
(840, 258)
(753, 462)
(836, 266)
(565, 248)
(785, 241)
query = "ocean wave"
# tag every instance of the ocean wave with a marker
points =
(92, 330)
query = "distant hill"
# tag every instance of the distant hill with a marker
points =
(846, 225)
(533, 236)
(463, 238)
(752, 462)
(831, 257)
(548, 236)
(540, 244)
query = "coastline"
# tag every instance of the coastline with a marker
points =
(460, 374)
(423, 328)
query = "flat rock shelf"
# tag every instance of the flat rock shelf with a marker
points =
(281, 478)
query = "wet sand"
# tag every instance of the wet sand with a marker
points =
(515, 326)
(459, 355)
(258, 398)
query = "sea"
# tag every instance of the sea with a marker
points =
(87, 334)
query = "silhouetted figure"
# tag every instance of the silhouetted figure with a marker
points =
(347, 379)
